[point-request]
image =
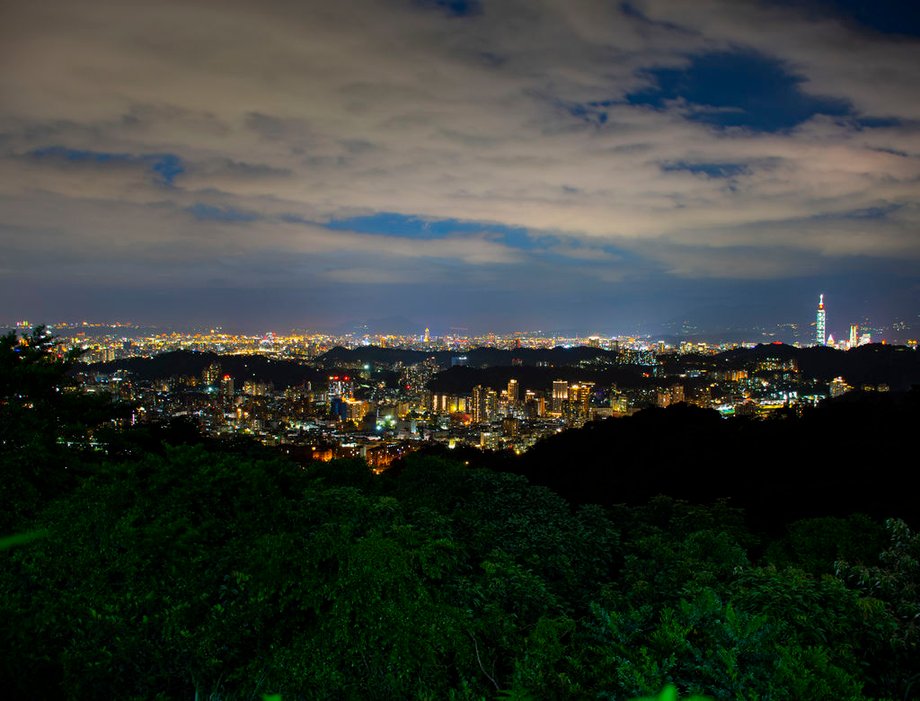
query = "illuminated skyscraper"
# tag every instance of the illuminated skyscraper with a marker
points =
(820, 335)
(226, 387)
(477, 402)
(340, 386)
(560, 394)
(513, 392)
(578, 406)
(485, 402)
(211, 375)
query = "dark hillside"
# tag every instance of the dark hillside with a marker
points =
(281, 373)
(857, 453)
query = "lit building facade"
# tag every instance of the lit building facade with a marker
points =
(448, 403)
(820, 324)
(560, 395)
(485, 404)
(340, 386)
(513, 392)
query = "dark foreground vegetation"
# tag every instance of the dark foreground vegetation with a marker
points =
(154, 564)
(857, 453)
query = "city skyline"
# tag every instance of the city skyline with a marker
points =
(853, 332)
(607, 167)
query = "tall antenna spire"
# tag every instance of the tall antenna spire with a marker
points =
(820, 323)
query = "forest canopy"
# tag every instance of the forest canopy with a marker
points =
(166, 566)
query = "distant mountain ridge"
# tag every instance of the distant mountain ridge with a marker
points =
(475, 357)
(184, 363)
(875, 363)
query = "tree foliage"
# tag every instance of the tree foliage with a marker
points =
(46, 423)
(200, 571)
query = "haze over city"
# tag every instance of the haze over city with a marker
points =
(605, 167)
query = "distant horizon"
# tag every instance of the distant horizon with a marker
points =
(790, 332)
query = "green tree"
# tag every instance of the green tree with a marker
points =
(46, 423)
(199, 572)
(816, 545)
(894, 584)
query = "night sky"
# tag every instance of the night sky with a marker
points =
(541, 164)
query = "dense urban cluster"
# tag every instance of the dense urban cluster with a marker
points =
(379, 397)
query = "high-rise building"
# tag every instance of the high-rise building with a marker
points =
(485, 403)
(854, 335)
(226, 387)
(820, 332)
(448, 403)
(580, 396)
(491, 404)
(577, 407)
(560, 394)
(211, 374)
(477, 401)
(340, 386)
(534, 404)
(671, 395)
(513, 392)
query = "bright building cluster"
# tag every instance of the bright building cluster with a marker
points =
(377, 396)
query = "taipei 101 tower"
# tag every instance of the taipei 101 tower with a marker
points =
(820, 336)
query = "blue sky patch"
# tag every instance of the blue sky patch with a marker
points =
(712, 170)
(407, 226)
(454, 8)
(738, 89)
(164, 166)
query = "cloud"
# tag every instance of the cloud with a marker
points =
(178, 141)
